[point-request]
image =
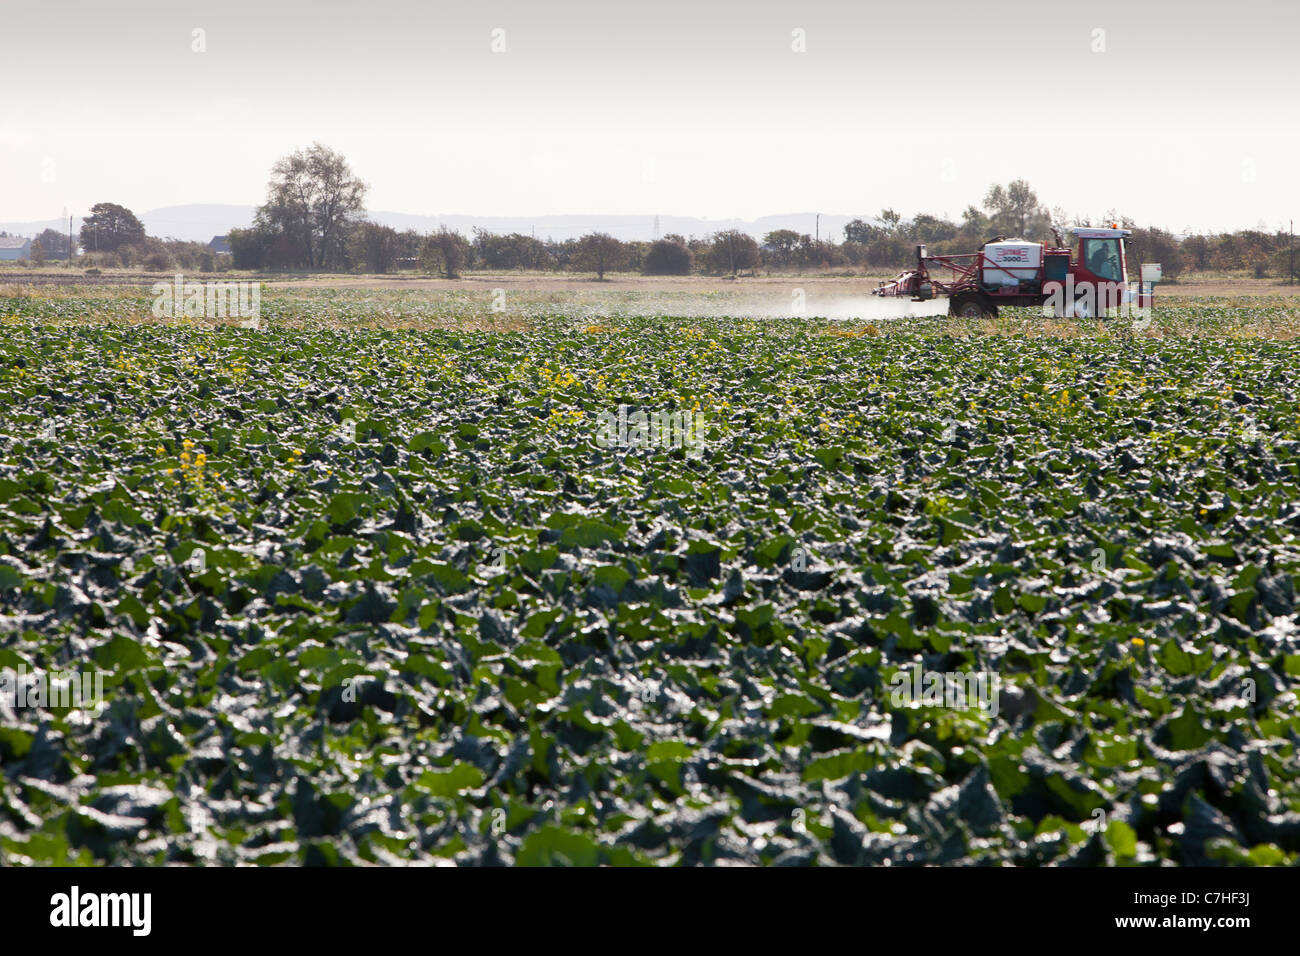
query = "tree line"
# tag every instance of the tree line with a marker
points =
(313, 220)
(112, 236)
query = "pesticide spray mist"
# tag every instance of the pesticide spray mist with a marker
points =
(785, 303)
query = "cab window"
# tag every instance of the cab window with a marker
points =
(1101, 258)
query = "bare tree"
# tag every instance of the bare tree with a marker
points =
(315, 199)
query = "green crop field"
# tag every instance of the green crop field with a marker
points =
(374, 584)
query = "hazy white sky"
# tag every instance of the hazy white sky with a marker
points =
(1190, 116)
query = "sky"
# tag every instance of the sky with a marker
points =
(1179, 114)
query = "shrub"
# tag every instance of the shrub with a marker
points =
(157, 261)
(667, 257)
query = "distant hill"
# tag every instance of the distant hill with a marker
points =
(199, 223)
(196, 223)
(33, 229)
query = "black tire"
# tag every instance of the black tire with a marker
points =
(972, 305)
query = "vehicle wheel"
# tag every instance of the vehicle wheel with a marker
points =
(972, 306)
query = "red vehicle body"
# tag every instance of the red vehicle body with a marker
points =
(1086, 281)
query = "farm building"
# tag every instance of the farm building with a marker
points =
(14, 247)
(220, 245)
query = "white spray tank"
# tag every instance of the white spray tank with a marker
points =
(1011, 261)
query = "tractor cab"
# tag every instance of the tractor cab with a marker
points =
(1100, 255)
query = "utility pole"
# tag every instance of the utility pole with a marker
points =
(1292, 278)
(818, 230)
(69, 240)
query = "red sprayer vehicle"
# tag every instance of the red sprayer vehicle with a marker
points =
(1088, 280)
